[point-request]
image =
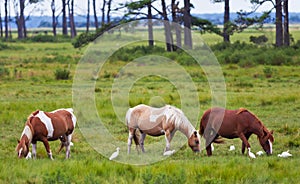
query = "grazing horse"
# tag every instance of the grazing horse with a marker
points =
(47, 126)
(233, 124)
(160, 121)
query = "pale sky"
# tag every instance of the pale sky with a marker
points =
(201, 6)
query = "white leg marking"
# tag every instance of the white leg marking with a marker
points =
(68, 146)
(34, 150)
(167, 144)
(50, 155)
(129, 142)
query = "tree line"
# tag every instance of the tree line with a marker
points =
(181, 19)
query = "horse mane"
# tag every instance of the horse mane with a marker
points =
(180, 120)
(240, 110)
(264, 129)
(29, 118)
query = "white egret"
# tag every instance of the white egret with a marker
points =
(115, 154)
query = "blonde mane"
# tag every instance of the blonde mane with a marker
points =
(180, 121)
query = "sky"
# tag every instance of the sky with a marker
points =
(201, 6)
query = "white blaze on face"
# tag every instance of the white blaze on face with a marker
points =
(271, 146)
(20, 152)
(47, 122)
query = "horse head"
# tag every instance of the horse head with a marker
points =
(194, 142)
(266, 141)
(22, 148)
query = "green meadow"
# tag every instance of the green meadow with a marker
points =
(28, 82)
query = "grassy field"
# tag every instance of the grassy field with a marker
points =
(271, 92)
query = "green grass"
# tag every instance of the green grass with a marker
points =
(31, 85)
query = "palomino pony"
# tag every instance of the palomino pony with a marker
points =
(160, 121)
(47, 126)
(233, 124)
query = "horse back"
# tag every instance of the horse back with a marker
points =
(52, 124)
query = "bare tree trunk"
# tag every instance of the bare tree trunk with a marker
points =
(6, 19)
(53, 18)
(1, 27)
(95, 14)
(71, 18)
(21, 20)
(168, 34)
(286, 33)
(226, 36)
(187, 25)
(108, 11)
(176, 25)
(279, 31)
(88, 17)
(103, 13)
(64, 18)
(24, 28)
(150, 26)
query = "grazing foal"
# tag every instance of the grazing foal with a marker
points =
(47, 126)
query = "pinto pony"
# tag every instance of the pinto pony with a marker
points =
(160, 121)
(47, 126)
(233, 124)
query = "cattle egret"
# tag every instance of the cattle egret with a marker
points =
(231, 148)
(28, 155)
(115, 154)
(285, 154)
(251, 155)
(168, 153)
(259, 153)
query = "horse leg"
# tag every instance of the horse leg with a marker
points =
(168, 137)
(131, 134)
(208, 150)
(245, 142)
(46, 144)
(68, 146)
(34, 150)
(142, 139)
(63, 140)
(243, 145)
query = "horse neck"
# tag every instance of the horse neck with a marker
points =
(185, 127)
(28, 133)
(259, 129)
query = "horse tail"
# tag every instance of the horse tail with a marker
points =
(219, 140)
(136, 138)
(203, 122)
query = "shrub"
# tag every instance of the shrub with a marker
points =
(62, 74)
(258, 39)
(3, 46)
(3, 71)
(268, 71)
(43, 38)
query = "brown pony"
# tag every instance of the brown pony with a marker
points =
(160, 121)
(47, 126)
(233, 124)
